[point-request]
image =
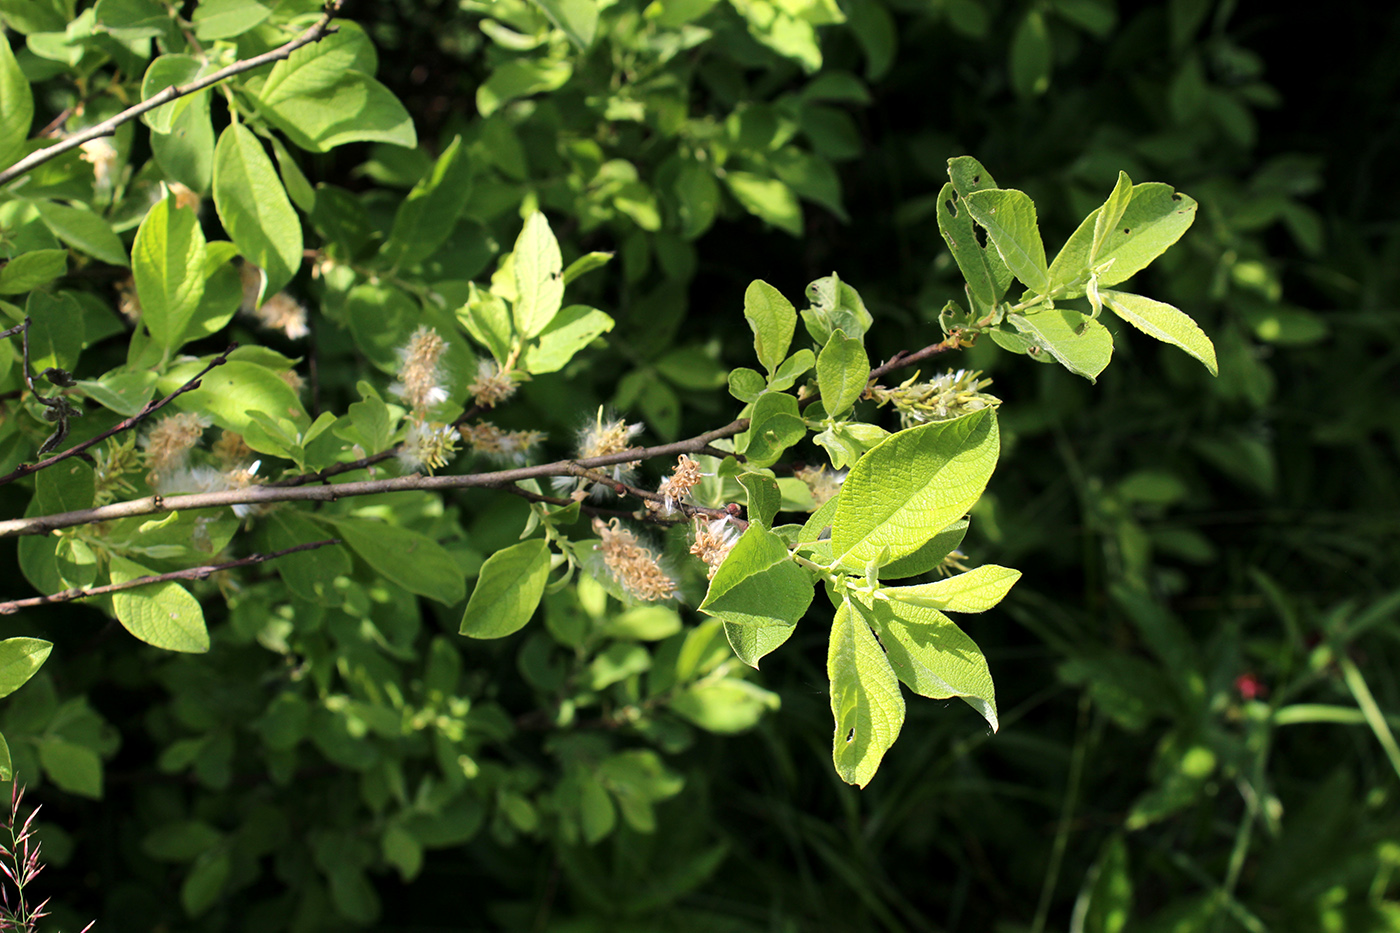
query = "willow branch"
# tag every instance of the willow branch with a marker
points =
(315, 33)
(146, 411)
(192, 573)
(259, 495)
(906, 358)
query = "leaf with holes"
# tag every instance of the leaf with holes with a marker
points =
(865, 698)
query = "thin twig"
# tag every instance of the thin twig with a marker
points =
(150, 505)
(192, 573)
(904, 358)
(149, 409)
(315, 33)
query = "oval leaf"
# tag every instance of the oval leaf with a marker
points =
(1167, 323)
(254, 208)
(507, 591)
(19, 659)
(865, 698)
(975, 591)
(164, 615)
(911, 486)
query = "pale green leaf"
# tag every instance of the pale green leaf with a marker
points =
(161, 614)
(724, 706)
(19, 659)
(759, 587)
(487, 319)
(30, 270)
(976, 590)
(1008, 216)
(842, 372)
(572, 329)
(508, 590)
(1167, 323)
(933, 657)
(228, 395)
(1108, 216)
(764, 499)
(1081, 344)
(186, 153)
(167, 262)
(911, 486)
(1154, 219)
(16, 107)
(164, 72)
(254, 209)
(586, 264)
(520, 78)
(539, 276)
(1077, 259)
(767, 199)
(835, 306)
(83, 230)
(772, 319)
(987, 276)
(224, 19)
(865, 698)
(775, 425)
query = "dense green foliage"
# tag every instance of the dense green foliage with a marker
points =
(481, 235)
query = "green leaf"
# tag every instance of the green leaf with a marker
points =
(19, 659)
(426, 217)
(790, 369)
(764, 497)
(356, 109)
(16, 107)
(746, 384)
(133, 19)
(572, 329)
(1008, 216)
(911, 486)
(643, 623)
(835, 306)
(186, 153)
(65, 487)
(539, 276)
(697, 197)
(56, 330)
(1077, 259)
(167, 262)
(224, 19)
(775, 425)
(759, 587)
(254, 208)
(487, 319)
(976, 590)
(578, 19)
(309, 575)
(586, 264)
(380, 316)
(767, 199)
(1108, 216)
(228, 395)
(167, 71)
(75, 768)
(933, 657)
(7, 767)
(724, 706)
(1106, 900)
(1154, 219)
(83, 230)
(842, 372)
(520, 78)
(1165, 322)
(412, 560)
(929, 556)
(30, 270)
(986, 274)
(161, 614)
(180, 841)
(772, 319)
(298, 187)
(865, 698)
(1031, 56)
(967, 175)
(205, 882)
(1081, 344)
(508, 590)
